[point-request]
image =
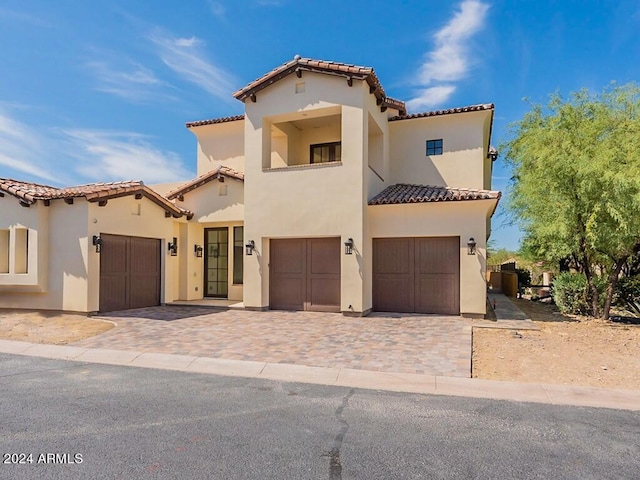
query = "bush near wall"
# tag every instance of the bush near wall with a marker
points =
(571, 295)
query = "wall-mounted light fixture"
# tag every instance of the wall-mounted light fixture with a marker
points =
(97, 242)
(250, 247)
(471, 246)
(348, 246)
(197, 250)
(173, 247)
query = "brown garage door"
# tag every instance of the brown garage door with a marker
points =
(305, 274)
(420, 275)
(129, 272)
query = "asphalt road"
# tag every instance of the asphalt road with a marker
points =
(107, 422)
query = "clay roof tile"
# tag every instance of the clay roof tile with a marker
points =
(406, 193)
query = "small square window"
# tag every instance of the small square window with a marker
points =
(434, 147)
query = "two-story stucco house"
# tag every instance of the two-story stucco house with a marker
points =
(324, 195)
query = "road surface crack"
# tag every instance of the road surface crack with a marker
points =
(335, 463)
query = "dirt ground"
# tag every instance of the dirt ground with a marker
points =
(566, 350)
(49, 327)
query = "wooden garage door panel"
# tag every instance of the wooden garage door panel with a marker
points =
(287, 274)
(113, 255)
(323, 258)
(393, 255)
(324, 295)
(288, 294)
(420, 275)
(129, 272)
(434, 255)
(288, 256)
(393, 293)
(437, 294)
(145, 272)
(305, 274)
(114, 273)
(113, 293)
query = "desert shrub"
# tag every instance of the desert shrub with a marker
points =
(524, 277)
(571, 295)
(627, 294)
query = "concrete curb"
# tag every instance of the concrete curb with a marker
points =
(343, 377)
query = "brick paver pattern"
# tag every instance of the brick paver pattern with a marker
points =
(406, 343)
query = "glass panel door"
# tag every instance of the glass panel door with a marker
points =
(216, 262)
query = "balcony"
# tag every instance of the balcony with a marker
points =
(304, 139)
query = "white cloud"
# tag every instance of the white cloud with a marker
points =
(270, 3)
(217, 9)
(111, 155)
(16, 16)
(24, 150)
(450, 61)
(431, 97)
(184, 56)
(132, 81)
(188, 42)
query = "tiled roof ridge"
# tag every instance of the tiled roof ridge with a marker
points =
(305, 62)
(205, 178)
(211, 121)
(413, 193)
(28, 193)
(448, 111)
(299, 64)
(5, 180)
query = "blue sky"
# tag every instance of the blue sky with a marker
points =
(100, 90)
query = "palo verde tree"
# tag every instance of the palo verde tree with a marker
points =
(576, 182)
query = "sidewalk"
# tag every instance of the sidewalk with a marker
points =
(344, 377)
(508, 315)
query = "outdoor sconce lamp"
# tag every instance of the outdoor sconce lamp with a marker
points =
(97, 242)
(197, 249)
(250, 247)
(471, 246)
(348, 246)
(173, 247)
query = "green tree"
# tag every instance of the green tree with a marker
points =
(576, 182)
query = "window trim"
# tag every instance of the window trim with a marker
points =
(435, 146)
(332, 151)
(238, 258)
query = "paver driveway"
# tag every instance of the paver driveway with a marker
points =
(436, 345)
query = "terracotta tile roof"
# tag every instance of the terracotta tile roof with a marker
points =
(470, 108)
(26, 191)
(299, 65)
(206, 178)
(212, 121)
(404, 193)
(29, 193)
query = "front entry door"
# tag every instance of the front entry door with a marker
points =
(216, 262)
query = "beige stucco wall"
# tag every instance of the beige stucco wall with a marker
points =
(220, 144)
(305, 201)
(315, 201)
(462, 163)
(210, 204)
(488, 163)
(56, 276)
(451, 219)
